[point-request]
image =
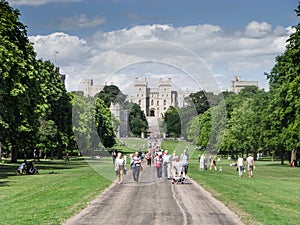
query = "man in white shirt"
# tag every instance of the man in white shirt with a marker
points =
(167, 164)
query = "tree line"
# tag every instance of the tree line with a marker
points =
(253, 120)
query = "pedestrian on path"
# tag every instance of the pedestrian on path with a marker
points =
(120, 167)
(114, 156)
(167, 164)
(136, 166)
(185, 162)
(148, 157)
(158, 164)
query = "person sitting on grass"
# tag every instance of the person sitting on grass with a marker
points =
(21, 169)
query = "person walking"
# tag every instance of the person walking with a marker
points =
(120, 167)
(148, 157)
(185, 162)
(114, 156)
(240, 164)
(176, 170)
(250, 165)
(202, 162)
(167, 164)
(159, 165)
(136, 166)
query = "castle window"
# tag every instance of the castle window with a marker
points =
(165, 102)
(140, 89)
(152, 102)
(165, 89)
(140, 102)
(165, 108)
(157, 103)
(137, 95)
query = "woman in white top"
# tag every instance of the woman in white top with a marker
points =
(120, 167)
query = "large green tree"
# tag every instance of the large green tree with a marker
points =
(18, 88)
(284, 108)
(35, 109)
(54, 108)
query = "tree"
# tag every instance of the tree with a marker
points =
(284, 108)
(200, 100)
(18, 95)
(137, 120)
(112, 94)
(104, 125)
(55, 107)
(84, 124)
(173, 122)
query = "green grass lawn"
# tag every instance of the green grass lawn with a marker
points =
(61, 190)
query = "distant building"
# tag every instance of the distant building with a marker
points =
(122, 117)
(90, 90)
(155, 101)
(237, 84)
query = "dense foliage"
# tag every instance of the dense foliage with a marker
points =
(137, 120)
(34, 105)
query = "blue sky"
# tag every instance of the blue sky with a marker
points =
(232, 37)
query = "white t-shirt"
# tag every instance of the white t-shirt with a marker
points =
(119, 162)
(240, 162)
(250, 160)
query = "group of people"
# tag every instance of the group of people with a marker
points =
(250, 165)
(26, 168)
(170, 165)
(205, 161)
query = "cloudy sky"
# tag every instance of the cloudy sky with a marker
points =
(200, 44)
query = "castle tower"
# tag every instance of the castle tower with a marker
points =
(88, 83)
(140, 93)
(165, 95)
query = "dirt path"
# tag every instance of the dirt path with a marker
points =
(153, 201)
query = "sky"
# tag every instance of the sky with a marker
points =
(200, 44)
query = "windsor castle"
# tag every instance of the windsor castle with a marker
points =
(153, 101)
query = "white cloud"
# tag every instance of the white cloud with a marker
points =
(258, 30)
(163, 49)
(38, 2)
(80, 21)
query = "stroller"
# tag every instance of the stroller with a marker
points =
(30, 168)
(177, 174)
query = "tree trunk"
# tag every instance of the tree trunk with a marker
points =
(14, 155)
(282, 153)
(51, 154)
